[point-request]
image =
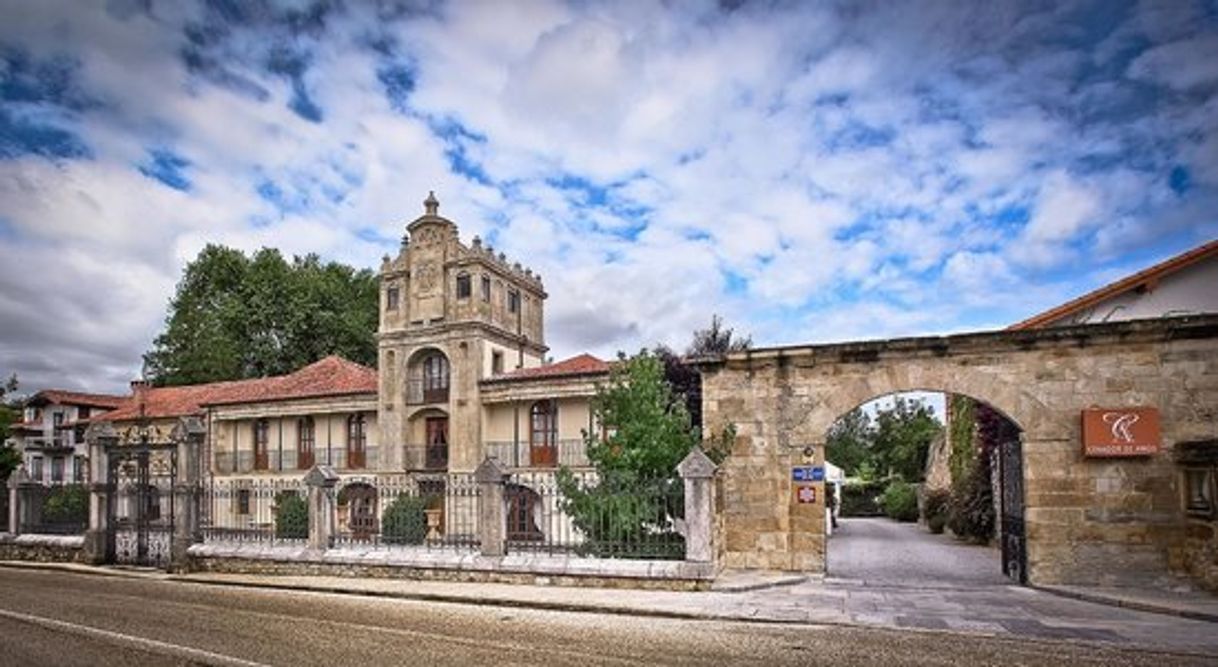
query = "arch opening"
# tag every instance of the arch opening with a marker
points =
(925, 488)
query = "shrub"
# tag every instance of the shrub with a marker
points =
(971, 510)
(900, 501)
(860, 498)
(935, 507)
(404, 521)
(291, 516)
(66, 504)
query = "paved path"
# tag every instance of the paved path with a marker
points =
(67, 618)
(880, 551)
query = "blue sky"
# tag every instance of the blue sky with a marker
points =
(811, 171)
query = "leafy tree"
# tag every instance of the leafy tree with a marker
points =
(848, 444)
(405, 520)
(67, 504)
(896, 441)
(716, 340)
(291, 516)
(637, 496)
(236, 316)
(10, 411)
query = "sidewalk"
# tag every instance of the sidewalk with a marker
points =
(1004, 611)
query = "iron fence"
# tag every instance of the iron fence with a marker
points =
(4, 527)
(62, 509)
(403, 511)
(570, 452)
(583, 514)
(256, 510)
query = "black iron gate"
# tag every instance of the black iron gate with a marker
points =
(1014, 541)
(141, 511)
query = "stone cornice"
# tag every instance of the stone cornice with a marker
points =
(442, 331)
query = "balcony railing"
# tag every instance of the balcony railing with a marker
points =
(417, 393)
(570, 452)
(426, 457)
(49, 443)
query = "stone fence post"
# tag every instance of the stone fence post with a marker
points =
(188, 434)
(15, 481)
(492, 520)
(697, 471)
(321, 481)
(100, 436)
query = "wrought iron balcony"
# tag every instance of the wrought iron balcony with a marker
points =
(418, 393)
(570, 452)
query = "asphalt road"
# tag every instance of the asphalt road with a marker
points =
(885, 552)
(60, 618)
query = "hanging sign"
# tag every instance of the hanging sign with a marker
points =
(1115, 432)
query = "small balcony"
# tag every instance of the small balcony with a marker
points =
(426, 457)
(570, 452)
(420, 393)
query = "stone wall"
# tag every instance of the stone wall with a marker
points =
(1088, 521)
(43, 548)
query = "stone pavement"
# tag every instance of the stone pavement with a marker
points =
(880, 551)
(1002, 611)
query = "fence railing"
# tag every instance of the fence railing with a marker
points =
(425, 457)
(256, 510)
(4, 528)
(570, 452)
(401, 511)
(592, 516)
(419, 392)
(62, 509)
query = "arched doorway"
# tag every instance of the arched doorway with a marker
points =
(524, 505)
(931, 493)
(360, 500)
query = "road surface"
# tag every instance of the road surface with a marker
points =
(63, 618)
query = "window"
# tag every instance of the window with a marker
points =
(486, 289)
(356, 440)
(391, 298)
(513, 301)
(243, 501)
(78, 468)
(1199, 491)
(463, 287)
(36, 468)
(435, 378)
(57, 418)
(262, 432)
(496, 362)
(305, 431)
(543, 434)
(57, 467)
(82, 412)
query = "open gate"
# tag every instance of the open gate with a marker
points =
(1014, 538)
(141, 508)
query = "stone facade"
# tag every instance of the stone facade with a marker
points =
(1087, 520)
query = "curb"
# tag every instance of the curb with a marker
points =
(1126, 603)
(81, 568)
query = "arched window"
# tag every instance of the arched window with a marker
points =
(305, 432)
(262, 432)
(463, 286)
(357, 440)
(435, 378)
(543, 434)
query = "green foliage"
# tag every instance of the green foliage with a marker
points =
(971, 511)
(291, 516)
(404, 521)
(638, 495)
(861, 498)
(66, 504)
(960, 440)
(935, 508)
(896, 441)
(235, 317)
(10, 411)
(900, 501)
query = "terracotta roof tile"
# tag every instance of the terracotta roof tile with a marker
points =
(584, 364)
(65, 397)
(332, 376)
(1139, 279)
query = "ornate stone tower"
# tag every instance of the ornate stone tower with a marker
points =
(450, 315)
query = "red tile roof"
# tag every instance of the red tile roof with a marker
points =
(584, 364)
(64, 397)
(332, 376)
(1146, 277)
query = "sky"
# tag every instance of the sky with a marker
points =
(810, 171)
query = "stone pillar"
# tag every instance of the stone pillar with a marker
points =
(321, 481)
(698, 471)
(492, 519)
(99, 437)
(188, 435)
(19, 477)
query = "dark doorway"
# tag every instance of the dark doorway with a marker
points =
(361, 504)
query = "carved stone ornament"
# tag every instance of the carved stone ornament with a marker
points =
(427, 277)
(425, 237)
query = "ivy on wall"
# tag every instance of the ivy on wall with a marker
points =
(960, 437)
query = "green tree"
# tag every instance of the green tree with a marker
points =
(716, 340)
(236, 316)
(848, 444)
(10, 411)
(901, 438)
(637, 496)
